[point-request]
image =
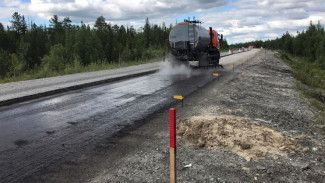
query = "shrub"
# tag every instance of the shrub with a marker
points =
(4, 63)
(57, 60)
(17, 65)
(321, 62)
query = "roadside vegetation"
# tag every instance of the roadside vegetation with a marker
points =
(310, 81)
(30, 51)
(305, 54)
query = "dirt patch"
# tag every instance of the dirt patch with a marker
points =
(248, 139)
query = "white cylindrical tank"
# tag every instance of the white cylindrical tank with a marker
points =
(187, 34)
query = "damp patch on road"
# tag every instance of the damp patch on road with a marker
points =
(21, 142)
(246, 138)
(72, 122)
(50, 132)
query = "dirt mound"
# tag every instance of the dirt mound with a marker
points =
(239, 135)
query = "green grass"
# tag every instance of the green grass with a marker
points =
(43, 73)
(310, 81)
(224, 50)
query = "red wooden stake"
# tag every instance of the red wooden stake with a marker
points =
(172, 146)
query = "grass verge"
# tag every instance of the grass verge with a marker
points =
(72, 69)
(310, 81)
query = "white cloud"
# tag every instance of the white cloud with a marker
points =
(8, 7)
(268, 19)
(117, 10)
(246, 19)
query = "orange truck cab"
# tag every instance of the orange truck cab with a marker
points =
(215, 42)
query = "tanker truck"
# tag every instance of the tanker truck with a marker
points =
(192, 44)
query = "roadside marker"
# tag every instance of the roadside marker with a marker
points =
(172, 144)
(216, 75)
(264, 61)
(179, 97)
(233, 67)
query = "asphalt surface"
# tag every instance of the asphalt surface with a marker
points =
(50, 131)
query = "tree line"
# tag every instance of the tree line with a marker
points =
(309, 43)
(25, 46)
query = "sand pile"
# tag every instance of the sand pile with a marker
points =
(239, 135)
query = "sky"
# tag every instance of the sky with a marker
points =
(237, 20)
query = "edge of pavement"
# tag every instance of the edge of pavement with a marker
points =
(73, 87)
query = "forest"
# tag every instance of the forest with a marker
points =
(30, 51)
(308, 44)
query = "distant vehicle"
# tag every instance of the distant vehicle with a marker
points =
(192, 44)
(251, 46)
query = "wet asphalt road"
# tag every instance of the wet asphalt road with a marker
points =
(50, 131)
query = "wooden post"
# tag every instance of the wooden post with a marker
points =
(233, 67)
(172, 146)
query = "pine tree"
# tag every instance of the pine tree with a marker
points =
(146, 32)
(18, 24)
(56, 31)
(100, 24)
(66, 23)
(3, 38)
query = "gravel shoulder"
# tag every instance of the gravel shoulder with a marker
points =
(262, 93)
